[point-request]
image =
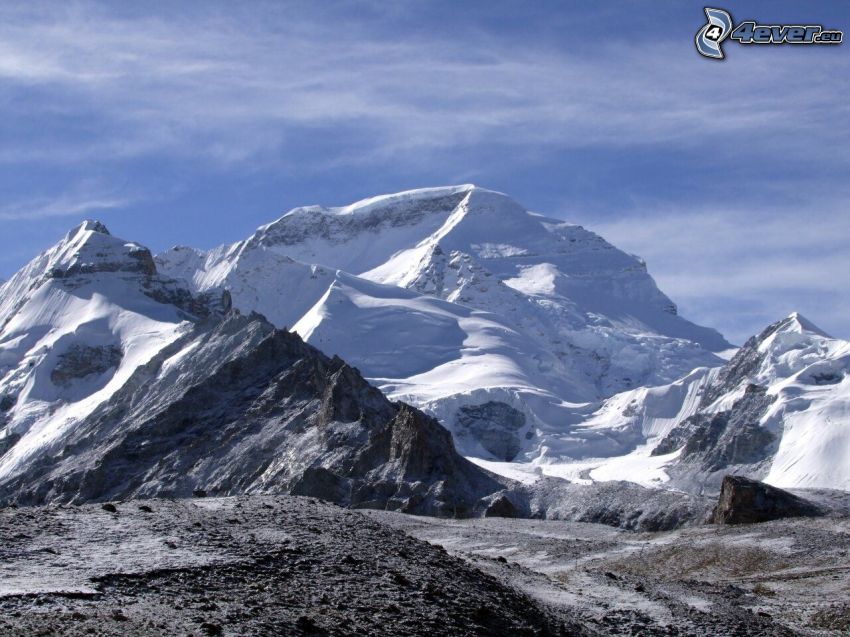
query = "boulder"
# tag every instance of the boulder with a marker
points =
(746, 501)
(501, 506)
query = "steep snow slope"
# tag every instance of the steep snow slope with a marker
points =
(75, 323)
(260, 280)
(537, 317)
(444, 357)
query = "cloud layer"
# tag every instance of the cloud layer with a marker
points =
(232, 87)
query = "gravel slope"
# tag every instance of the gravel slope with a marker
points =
(241, 566)
(283, 565)
(787, 577)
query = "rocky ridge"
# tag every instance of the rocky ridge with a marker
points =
(223, 403)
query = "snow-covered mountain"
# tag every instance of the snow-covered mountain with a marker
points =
(778, 411)
(116, 381)
(458, 299)
(543, 349)
(75, 323)
(533, 340)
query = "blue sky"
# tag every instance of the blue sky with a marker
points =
(193, 123)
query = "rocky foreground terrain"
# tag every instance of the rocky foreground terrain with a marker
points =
(258, 565)
(785, 577)
(283, 565)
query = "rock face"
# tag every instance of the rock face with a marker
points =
(729, 437)
(238, 406)
(494, 425)
(710, 438)
(746, 501)
(501, 506)
(81, 361)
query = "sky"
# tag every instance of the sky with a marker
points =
(195, 122)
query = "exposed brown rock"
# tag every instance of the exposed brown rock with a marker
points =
(746, 501)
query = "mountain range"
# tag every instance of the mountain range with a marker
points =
(425, 351)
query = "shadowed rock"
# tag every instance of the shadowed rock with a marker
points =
(494, 425)
(81, 361)
(501, 506)
(746, 501)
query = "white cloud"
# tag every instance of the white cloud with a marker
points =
(740, 269)
(70, 204)
(233, 88)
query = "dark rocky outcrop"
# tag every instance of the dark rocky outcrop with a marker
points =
(81, 361)
(746, 501)
(8, 441)
(494, 425)
(501, 506)
(742, 365)
(713, 441)
(254, 409)
(7, 402)
(733, 436)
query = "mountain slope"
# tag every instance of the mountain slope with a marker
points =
(111, 388)
(778, 411)
(542, 349)
(457, 299)
(75, 323)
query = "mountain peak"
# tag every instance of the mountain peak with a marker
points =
(88, 248)
(394, 203)
(799, 323)
(794, 323)
(405, 196)
(90, 225)
(333, 226)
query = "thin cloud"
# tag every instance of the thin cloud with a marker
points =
(232, 89)
(717, 262)
(67, 205)
(90, 86)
